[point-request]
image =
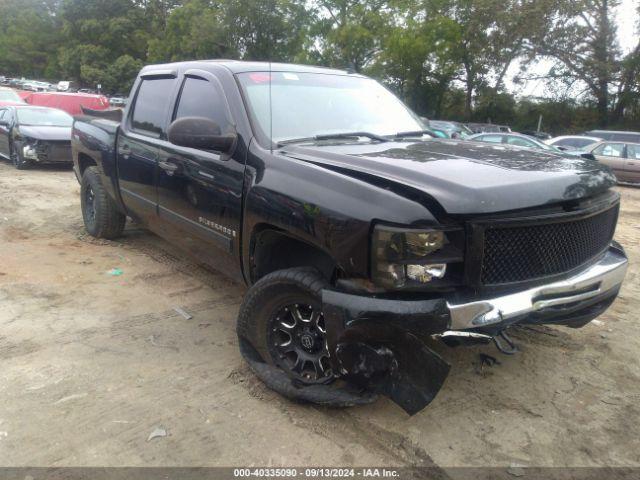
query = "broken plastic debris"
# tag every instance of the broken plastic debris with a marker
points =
(183, 313)
(115, 272)
(157, 433)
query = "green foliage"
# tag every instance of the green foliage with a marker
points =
(447, 59)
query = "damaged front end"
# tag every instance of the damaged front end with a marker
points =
(377, 345)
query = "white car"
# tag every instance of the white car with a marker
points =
(572, 142)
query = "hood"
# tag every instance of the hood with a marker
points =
(468, 177)
(46, 133)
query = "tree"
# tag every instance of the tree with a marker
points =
(583, 44)
(28, 37)
(197, 30)
(350, 31)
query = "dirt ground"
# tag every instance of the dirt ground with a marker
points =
(92, 364)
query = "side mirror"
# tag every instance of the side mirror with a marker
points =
(201, 133)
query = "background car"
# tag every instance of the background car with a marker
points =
(516, 139)
(118, 100)
(519, 140)
(485, 127)
(572, 142)
(8, 96)
(30, 135)
(622, 157)
(72, 103)
(536, 134)
(35, 86)
(450, 129)
(621, 136)
(66, 86)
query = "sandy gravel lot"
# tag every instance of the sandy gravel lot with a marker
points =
(92, 364)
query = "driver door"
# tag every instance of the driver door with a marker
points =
(200, 191)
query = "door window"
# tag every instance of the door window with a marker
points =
(491, 138)
(201, 98)
(626, 137)
(633, 152)
(520, 142)
(150, 109)
(610, 150)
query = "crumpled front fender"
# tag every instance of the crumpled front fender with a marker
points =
(375, 344)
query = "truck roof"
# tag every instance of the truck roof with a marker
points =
(237, 66)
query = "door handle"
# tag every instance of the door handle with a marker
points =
(125, 151)
(168, 167)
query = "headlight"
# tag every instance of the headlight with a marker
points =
(402, 257)
(29, 148)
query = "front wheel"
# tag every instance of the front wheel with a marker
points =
(102, 219)
(16, 158)
(281, 317)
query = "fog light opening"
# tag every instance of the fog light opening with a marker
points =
(426, 273)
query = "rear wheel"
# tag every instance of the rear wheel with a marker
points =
(281, 316)
(102, 219)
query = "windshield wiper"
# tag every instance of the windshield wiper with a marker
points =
(415, 133)
(332, 136)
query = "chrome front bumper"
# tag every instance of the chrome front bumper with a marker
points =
(596, 281)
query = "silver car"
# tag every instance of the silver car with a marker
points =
(622, 157)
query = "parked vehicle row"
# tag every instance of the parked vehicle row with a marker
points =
(64, 86)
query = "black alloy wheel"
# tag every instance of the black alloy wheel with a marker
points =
(298, 342)
(89, 206)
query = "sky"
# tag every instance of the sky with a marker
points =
(627, 22)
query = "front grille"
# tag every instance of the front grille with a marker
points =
(528, 252)
(53, 151)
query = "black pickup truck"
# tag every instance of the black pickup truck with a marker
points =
(362, 239)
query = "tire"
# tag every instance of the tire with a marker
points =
(17, 160)
(102, 219)
(269, 305)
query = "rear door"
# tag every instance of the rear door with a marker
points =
(632, 162)
(137, 148)
(200, 191)
(612, 155)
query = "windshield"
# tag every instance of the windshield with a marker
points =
(9, 96)
(308, 104)
(44, 117)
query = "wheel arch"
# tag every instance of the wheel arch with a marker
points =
(272, 249)
(85, 161)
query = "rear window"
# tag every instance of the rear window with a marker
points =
(626, 137)
(582, 142)
(150, 109)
